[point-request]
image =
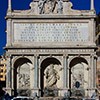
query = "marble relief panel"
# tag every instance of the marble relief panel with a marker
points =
(23, 76)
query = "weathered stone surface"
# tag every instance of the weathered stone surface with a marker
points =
(51, 32)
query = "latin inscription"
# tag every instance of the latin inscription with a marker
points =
(51, 32)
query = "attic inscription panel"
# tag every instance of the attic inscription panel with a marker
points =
(51, 32)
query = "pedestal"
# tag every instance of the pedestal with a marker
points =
(9, 91)
(62, 91)
(35, 91)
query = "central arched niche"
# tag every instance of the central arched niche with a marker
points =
(22, 76)
(44, 66)
(78, 73)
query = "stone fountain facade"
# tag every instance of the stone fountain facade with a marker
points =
(50, 33)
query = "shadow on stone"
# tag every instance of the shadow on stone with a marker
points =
(24, 92)
(50, 92)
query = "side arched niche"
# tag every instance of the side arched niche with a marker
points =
(79, 72)
(22, 76)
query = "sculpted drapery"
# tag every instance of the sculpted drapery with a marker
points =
(51, 76)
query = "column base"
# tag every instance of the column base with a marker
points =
(63, 91)
(90, 92)
(9, 91)
(35, 91)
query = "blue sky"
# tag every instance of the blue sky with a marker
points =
(24, 4)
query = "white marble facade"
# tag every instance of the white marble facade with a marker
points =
(50, 33)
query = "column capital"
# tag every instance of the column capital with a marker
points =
(65, 55)
(8, 56)
(9, 20)
(95, 56)
(92, 55)
(36, 55)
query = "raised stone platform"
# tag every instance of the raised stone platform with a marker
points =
(51, 98)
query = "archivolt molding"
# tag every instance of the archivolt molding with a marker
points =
(83, 57)
(42, 58)
(18, 57)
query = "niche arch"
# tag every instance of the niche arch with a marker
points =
(78, 72)
(22, 76)
(44, 65)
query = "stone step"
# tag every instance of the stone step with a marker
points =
(51, 98)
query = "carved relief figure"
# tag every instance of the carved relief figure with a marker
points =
(60, 6)
(24, 80)
(78, 77)
(78, 74)
(51, 76)
(41, 6)
(48, 6)
(23, 73)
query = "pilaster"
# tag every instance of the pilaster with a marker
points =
(94, 71)
(9, 31)
(12, 74)
(65, 71)
(91, 71)
(92, 74)
(9, 75)
(36, 72)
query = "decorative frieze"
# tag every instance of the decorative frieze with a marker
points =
(50, 51)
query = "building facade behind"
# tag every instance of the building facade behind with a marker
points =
(2, 71)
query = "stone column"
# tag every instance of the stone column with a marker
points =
(91, 71)
(92, 74)
(9, 32)
(8, 75)
(36, 74)
(94, 71)
(12, 76)
(65, 71)
(65, 74)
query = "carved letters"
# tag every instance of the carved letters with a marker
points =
(51, 32)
